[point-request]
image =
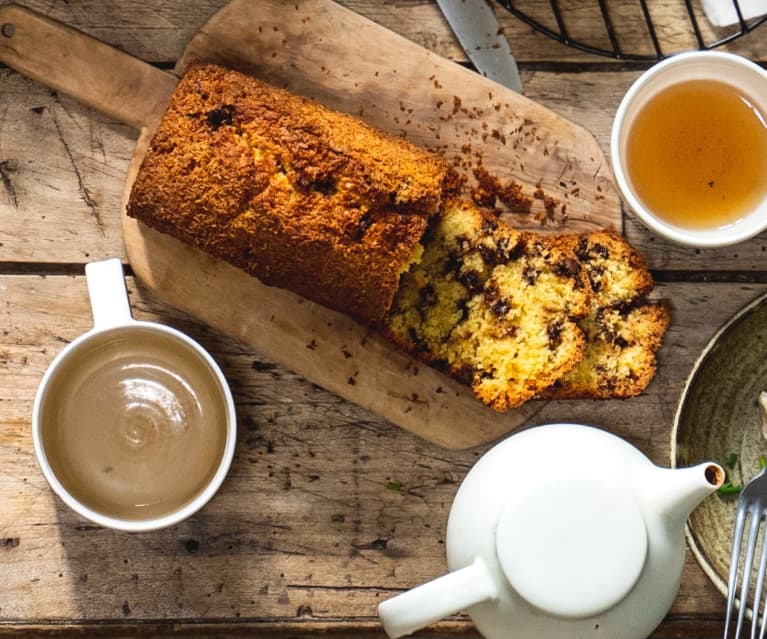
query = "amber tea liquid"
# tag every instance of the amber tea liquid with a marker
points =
(696, 154)
(134, 427)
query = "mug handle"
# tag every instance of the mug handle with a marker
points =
(107, 292)
(437, 599)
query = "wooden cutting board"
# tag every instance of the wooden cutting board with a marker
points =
(319, 49)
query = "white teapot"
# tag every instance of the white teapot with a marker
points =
(561, 531)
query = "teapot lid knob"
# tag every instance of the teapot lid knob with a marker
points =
(573, 549)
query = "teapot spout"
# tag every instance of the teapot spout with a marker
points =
(677, 491)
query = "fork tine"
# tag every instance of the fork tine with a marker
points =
(748, 562)
(732, 580)
(758, 590)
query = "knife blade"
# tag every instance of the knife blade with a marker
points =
(480, 34)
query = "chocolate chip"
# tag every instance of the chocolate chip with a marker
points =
(328, 186)
(464, 308)
(471, 280)
(488, 224)
(568, 267)
(582, 249)
(427, 296)
(220, 116)
(601, 251)
(488, 254)
(363, 224)
(498, 254)
(515, 252)
(501, 307)
(554, 331)
(419, 345)
(492, 291)
(451, 264)
(595, 277)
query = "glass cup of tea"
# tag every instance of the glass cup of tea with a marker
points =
(133, 424)
(689, 148)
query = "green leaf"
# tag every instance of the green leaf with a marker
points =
(393, 485)
(732, 459)
(729, 489)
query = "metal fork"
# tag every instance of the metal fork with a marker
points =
(752, 504)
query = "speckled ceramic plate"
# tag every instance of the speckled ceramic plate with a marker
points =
(718, 415)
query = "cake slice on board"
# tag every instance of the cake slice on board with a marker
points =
(623, 329)
(491, 306)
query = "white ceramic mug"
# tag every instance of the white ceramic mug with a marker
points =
(735, 71)
(140, 420)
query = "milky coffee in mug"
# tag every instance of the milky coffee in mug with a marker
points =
(134, 422)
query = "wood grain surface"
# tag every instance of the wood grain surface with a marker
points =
(314, 48)
(328, 508)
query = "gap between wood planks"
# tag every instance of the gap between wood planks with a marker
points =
(333, 628)
(43, 269)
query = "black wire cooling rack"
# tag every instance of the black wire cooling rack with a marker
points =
(560, 19)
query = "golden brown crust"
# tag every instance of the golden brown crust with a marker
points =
(300, 196)
(623, 330)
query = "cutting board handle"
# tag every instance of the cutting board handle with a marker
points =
(94, 73)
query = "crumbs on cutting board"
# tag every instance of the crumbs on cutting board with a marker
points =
(488, 190)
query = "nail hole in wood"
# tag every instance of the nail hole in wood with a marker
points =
(8, 30)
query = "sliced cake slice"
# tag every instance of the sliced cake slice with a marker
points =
(623, 329)
(491, 306)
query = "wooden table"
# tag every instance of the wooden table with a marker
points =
(328, 509)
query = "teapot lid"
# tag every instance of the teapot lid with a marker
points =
(573, 549)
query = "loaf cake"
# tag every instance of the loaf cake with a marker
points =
(623, 329)
(491, 306)
(302, 197)
(322, 204)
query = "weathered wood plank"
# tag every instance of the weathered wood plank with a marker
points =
(327, 508)
(673, 627)
(307, 534)
(153, 31)
(158, 31)
(62, 171)
(63, 168)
